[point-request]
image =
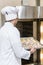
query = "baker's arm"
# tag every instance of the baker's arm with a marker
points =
(17, 48)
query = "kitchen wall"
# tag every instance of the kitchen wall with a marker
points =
(29, 2)
(41, 2)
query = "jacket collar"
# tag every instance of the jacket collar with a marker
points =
(9, 24)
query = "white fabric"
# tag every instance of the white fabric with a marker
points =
(11, 50)
(9, 12)
(10, 17)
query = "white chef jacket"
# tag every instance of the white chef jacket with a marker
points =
(11, 50)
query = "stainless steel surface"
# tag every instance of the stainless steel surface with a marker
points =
(41, 12)
(25, 12)
(36, 12)
(30, 12)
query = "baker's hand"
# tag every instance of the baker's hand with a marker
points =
(32, 50)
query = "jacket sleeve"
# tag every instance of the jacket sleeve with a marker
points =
(16, 44)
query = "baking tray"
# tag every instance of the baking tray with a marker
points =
(29, 42)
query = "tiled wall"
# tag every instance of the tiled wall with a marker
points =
(29, 2)
(41, 2)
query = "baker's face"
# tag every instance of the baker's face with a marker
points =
(15, 21)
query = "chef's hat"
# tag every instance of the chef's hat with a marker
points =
(10, 12)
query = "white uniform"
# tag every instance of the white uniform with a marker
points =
(11, 50)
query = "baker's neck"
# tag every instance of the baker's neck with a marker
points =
(14, 22)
